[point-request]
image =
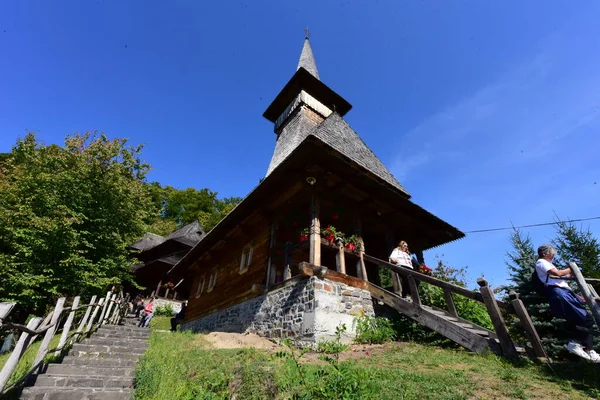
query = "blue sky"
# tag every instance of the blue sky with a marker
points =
(486, 112)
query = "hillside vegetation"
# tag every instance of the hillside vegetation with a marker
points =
(187, 366)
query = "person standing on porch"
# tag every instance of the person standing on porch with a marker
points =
(565, 304)
(401, 256)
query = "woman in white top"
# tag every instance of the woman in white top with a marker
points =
(564, 303)
(401, 256)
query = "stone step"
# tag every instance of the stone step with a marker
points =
(117, 335)
(103, 355)
(120, 328)
(125, 342)
(89, 370)
(81, 393)
(120, 382)
(126, 332)
(115, 361)
(97, 348)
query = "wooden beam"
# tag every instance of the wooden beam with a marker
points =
(414, 291)
(450, 302)
(315, 232)
(508, 347)
(50, 332)
(341, 258)
(527, 324)
(585, 290)
(15, 356)
(67, 327)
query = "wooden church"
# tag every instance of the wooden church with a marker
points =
(292, 258)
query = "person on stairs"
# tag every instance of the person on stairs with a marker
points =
(179, 317)
(401, 256)
(565, 304)
(147, 314)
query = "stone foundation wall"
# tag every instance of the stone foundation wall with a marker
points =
(307, 310)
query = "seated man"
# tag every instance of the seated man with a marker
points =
(564, 303)
(178, 317)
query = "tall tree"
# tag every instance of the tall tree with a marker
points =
(66, 216)
(578, 245)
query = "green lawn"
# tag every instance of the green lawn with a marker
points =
(184, 366)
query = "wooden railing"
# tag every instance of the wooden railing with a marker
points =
(494, 307)
(108, 310)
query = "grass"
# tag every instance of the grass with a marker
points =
(184, 366)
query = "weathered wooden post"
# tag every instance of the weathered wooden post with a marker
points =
(450, 302)
(158, 288)
(341, 258)
(5, 309)
(361, 261)
(414, 291)
(315, 232)
(15, 356)
(50, 332)
(506, 343)
(111, 302)
(270, 274)
(587, 294)
(90, 324)
(84, 320)
(527, 324)
(67, 327)
(103, 312)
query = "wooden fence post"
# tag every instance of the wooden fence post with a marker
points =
(15, 356)
(532, 335)
(5, 309)
(93, 317)
(88, 311)
(103, 312)
(414, 291)
(67, 327)
(450, 303)
(587, 294)
(50, 332)
(506, 343)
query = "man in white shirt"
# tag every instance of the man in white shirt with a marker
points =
(564, 303)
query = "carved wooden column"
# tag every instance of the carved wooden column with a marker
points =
(315, 232)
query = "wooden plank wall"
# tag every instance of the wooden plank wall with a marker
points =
(230, 287)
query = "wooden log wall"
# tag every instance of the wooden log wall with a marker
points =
(230, 287)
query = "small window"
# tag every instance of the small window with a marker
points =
(201, 286)
(212, 281)
(246, 259)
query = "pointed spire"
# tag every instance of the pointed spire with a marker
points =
(307, 60)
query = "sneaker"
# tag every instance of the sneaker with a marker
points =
(577, 349)
(594, 357)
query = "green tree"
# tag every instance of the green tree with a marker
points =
(521, 263)
(66, 216)
(578, 245)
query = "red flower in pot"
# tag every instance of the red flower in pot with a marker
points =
(303, 238)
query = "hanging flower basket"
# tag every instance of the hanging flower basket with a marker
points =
(424, 269)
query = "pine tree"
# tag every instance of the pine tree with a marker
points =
(577, 245)
(521, 263)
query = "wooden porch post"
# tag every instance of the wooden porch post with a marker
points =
(315, 232)
(389, 240)
(341, 258)
(158, 287)
(270, 274)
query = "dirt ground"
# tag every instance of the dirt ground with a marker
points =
(226, 340)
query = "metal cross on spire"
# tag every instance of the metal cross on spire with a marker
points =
(306, 32)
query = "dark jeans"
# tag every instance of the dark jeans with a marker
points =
(565, 304)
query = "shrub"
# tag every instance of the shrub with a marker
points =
(373, 330)
(164, 311)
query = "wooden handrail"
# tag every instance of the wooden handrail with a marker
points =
(49, 327)
(434, 281)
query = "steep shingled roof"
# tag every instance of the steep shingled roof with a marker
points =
(336, 132)
(307, 60)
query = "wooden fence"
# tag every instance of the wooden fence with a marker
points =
(107, 310)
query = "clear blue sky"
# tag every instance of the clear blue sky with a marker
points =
(486, 112)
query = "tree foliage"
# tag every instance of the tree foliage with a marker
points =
(572, 244)
(67, 214)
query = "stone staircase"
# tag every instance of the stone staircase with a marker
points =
(101, 367)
